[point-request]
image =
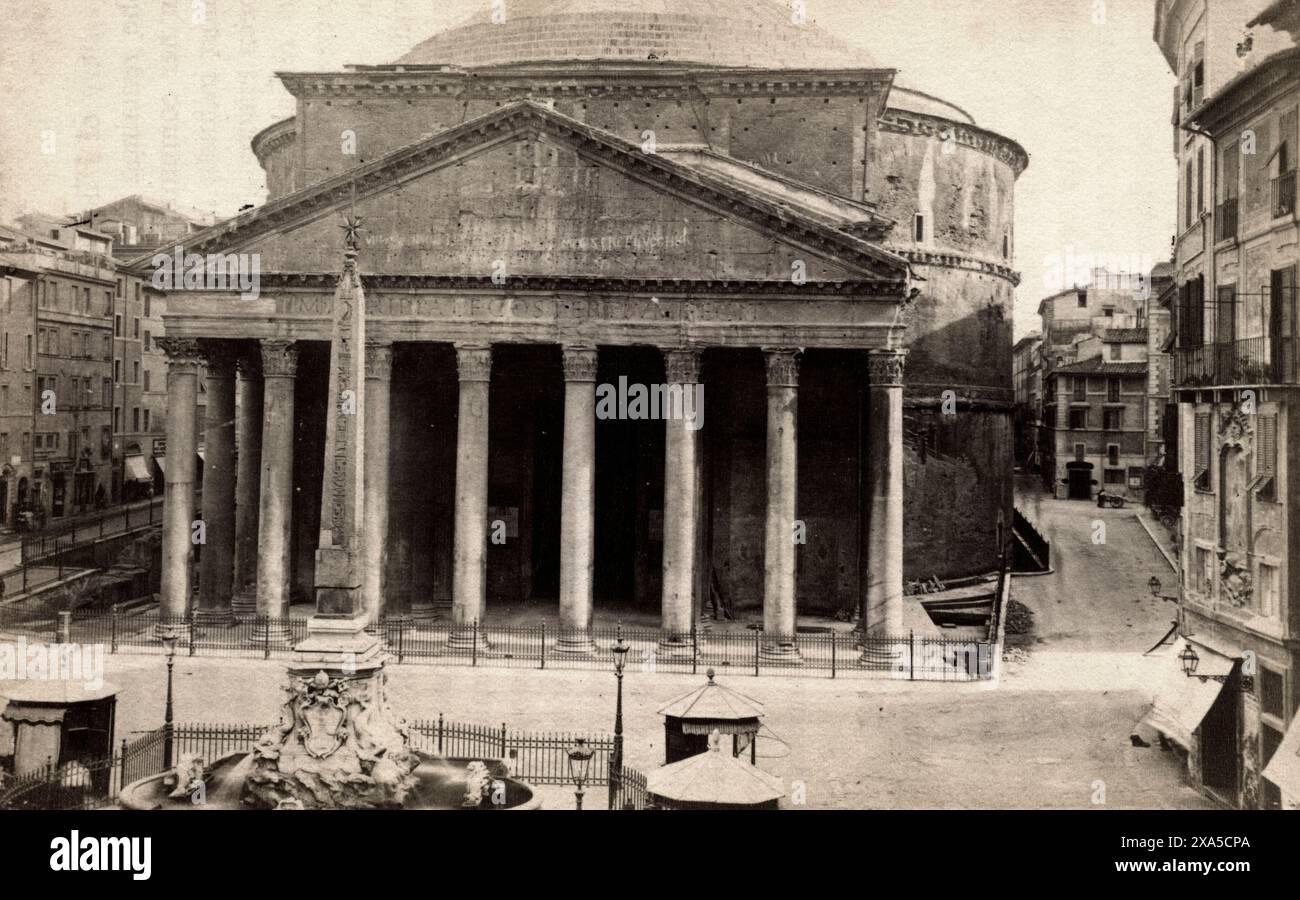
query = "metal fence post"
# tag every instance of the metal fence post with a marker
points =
(832, 654)
(113, 624)
(401, 650)
(191, 631)
(757, 636)
(266, 637)
(474, 647)
(543, 645)
(121, 779)
(911, 655)
(439, 734)
(503, 740)
(695, 647)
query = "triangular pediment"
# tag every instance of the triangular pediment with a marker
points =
(527, 192)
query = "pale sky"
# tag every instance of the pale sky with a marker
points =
(140, 99)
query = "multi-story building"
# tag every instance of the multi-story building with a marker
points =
(72, 394)
(1097, 426)
(1027, 380)
(1094, 334)
(137, 225)
(1236, 378)
(20, 265)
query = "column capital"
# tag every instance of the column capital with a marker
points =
(682, 366)
(220, 357)
(782, 367)
(580, 363)
(885, 367)
(379, 360)
(181, 352)
(279, 359)
(473, 362)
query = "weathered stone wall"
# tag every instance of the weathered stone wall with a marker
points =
(815, 139)
(959, 335)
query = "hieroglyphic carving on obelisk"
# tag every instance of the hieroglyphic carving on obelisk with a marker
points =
(338, 557)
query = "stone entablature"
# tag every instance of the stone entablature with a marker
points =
(1004, 150)
(592, 80)
(664, 321)
(950, 260)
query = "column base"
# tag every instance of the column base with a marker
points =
(222, 617)
(579, 644)
(779, 650)
(676, 645)
(882, 656)
(243, 605)
(464, 637)
(271, 633)
(180, 629)
(427, 612)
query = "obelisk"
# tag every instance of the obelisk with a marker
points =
(338, 744)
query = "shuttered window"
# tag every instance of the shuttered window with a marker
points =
(1202, 460)
(1266, 457)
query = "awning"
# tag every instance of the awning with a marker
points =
(161, 463)
(1182, 700)
(136, 470)
(1284, 768)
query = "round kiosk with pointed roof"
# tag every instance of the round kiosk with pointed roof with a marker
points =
(692, 718)
(713, 780)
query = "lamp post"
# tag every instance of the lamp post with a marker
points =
(168, 638)
(1154, 585)
(579, 763)
(620, 650)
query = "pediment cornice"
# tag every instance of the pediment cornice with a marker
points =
(533, 121)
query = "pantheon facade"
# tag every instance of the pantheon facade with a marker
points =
(573, 193)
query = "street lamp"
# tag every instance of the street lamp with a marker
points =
(168, 638)
(620, 651)
(579, 763)
(1154, 585)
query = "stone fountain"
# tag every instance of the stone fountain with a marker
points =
(338, 745)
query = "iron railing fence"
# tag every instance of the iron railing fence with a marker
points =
(824, 654)
(631, 792)
(535, 757)
(539, 758)
(57, 538)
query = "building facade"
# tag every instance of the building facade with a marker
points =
(1027, 376)
(536, 229)
(1094, 370)
(1235, 379)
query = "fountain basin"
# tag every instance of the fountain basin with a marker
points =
(440, 785)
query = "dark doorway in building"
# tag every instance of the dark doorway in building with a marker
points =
(59, 496)
(1219, 751)
(1078, 477)
(629, 480)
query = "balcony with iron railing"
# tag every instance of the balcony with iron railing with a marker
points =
(1225, 220)
(1257, 360)
(1284, 194)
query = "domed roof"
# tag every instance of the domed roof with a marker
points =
(912, 100)
(739, 33)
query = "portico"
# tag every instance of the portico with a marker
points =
(490, 473)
